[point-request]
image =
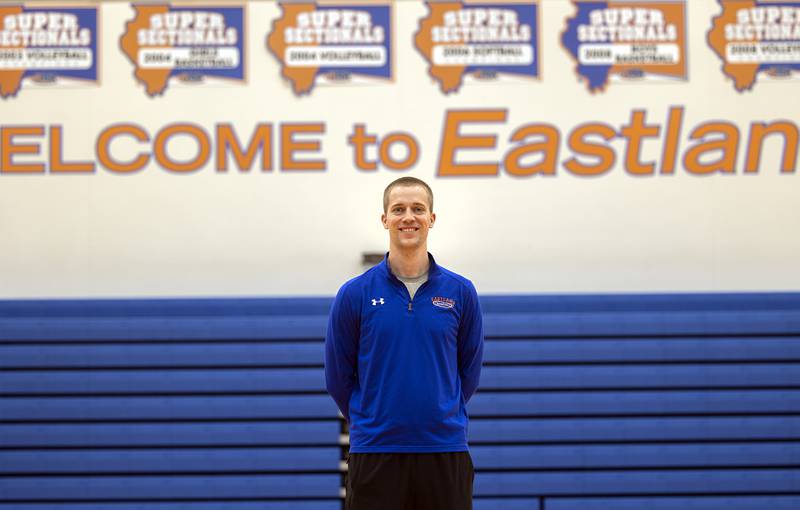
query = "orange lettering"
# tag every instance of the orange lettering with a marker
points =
(260, 141)
(203, 148)
(104, 140)
(452, 141)
(359, 140)
(728, 144)
(603, 153)
(404, 139)
(290, 146)
(670, 154)
(58, 165)
(548, 146)
(634, 132)
(758, 131)
(9, 148)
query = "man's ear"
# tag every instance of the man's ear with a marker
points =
(383, 220)
(433, 219)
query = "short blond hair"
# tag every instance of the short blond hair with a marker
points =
(407, 181)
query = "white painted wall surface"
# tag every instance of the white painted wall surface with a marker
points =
(154, 233)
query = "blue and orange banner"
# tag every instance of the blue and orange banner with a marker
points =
(755, 38)
(639, 40)
(332, 43)
(190, 43)
(46, 44)
(483, 40)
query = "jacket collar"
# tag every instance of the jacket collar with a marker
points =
(433, 268)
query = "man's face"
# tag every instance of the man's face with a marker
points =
(408, 217)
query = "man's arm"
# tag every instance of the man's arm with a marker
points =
(470, 343)
(341, 351)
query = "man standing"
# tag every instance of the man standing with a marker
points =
(403, 356)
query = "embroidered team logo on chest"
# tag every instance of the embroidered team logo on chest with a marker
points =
(443, 302)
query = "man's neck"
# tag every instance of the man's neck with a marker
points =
(409, 264)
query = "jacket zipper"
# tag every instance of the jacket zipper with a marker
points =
(410, 299)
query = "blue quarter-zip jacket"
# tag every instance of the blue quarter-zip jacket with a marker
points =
(401, 370)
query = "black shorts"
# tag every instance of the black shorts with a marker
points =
(409, 481)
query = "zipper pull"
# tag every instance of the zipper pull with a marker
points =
(409, 306)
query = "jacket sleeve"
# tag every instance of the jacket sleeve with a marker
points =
(341, 351)
(470, 343)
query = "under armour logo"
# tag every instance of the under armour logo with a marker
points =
(376, 302)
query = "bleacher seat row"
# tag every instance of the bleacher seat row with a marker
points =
(604, 402)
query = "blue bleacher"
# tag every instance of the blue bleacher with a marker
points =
(586, 403)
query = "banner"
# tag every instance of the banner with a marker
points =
(190, 44)
(479, 40)
(332, 42)
(757, 39)
(47, 46)
(614, 41)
